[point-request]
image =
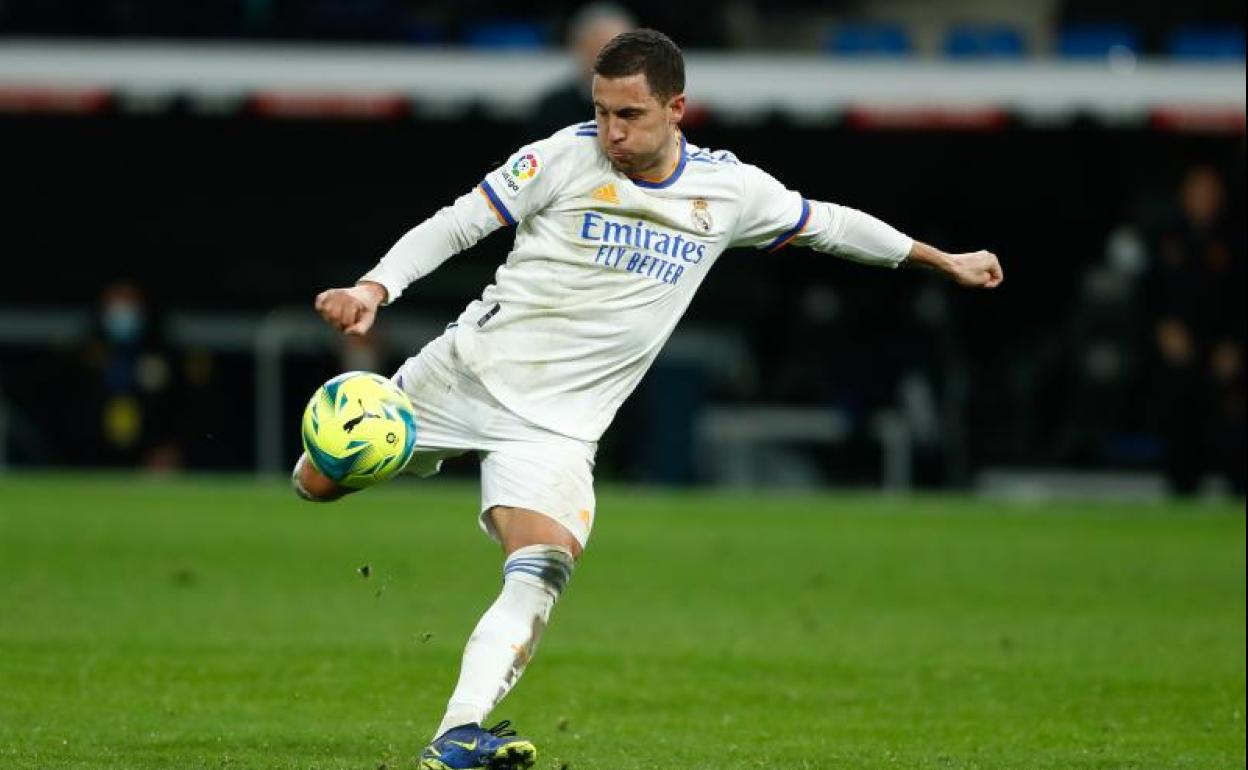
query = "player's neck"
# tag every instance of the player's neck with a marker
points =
(665, 161)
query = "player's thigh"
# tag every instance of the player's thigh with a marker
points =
(450, 405)
(538, 493)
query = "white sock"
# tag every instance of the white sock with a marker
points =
(506, 637)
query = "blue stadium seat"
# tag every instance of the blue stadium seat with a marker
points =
(869, 39)
(1083, 41)
(350, 19)
(505, 34)
(972, 41)
(422, 33)
(1201, 42)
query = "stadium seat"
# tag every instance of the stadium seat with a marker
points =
(422, 33)
(505, 34)
(1201, 42)
(869, 39)
(972, 41)
(1083, 41)
(350, 19)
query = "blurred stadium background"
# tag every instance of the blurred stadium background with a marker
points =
(182, 178)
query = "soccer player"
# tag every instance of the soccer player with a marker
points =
(618, 220)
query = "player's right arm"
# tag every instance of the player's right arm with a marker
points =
(522, 186)
(352, 309)
(419, 252)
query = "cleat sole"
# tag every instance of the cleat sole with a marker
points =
(520, 755)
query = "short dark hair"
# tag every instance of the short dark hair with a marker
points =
(648, 51)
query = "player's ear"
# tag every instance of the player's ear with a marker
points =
(676, 108)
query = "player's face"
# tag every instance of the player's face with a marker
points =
(635, 129)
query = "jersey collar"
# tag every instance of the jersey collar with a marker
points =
(672, 176)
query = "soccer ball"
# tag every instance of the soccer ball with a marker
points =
(359, 429)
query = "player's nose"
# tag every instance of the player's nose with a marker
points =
(614, 131)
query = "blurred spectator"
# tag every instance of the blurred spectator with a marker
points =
(1095, 361)
(1197, 317)
(589, 30)
(128, 406)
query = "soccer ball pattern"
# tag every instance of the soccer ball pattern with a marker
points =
(359, 429)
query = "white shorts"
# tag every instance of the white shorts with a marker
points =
(523, 465)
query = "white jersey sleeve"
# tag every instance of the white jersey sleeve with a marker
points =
(771, 214)
(422, 249)
(510, 193)
(774, 216)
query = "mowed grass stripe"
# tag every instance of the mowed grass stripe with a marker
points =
(221, 623)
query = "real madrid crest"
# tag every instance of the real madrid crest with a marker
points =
(702, 215)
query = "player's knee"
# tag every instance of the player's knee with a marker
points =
(519, 528)
(310, 484)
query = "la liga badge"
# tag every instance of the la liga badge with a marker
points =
(522, 169)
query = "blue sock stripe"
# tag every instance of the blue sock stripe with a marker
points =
(541, 566)
(537, 560)
(552, 579)
(555, 572)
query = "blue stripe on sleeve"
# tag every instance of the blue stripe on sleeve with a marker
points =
(789, 234)
(498, 204)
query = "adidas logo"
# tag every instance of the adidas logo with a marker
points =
(606, 194)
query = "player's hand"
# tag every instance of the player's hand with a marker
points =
(351, 310)
(977, 269)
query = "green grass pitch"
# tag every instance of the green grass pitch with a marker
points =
(224, 624)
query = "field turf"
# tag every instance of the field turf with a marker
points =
(223, 624)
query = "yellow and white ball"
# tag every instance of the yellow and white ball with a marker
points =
(359, 429)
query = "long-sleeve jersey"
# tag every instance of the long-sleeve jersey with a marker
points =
(604, 265)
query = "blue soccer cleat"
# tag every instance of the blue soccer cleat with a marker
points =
(471, 747)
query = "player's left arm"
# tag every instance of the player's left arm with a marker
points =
(773, 217)
(856, 235)
(977, 269)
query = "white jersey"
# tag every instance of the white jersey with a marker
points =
(604, 265)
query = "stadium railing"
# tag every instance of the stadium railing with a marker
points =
(731, 438)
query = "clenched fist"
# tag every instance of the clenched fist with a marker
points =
(978, 269)
(351, 310)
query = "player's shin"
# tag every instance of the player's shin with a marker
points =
(311, 485)
(507, 635)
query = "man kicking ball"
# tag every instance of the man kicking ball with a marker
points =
(618, 221)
